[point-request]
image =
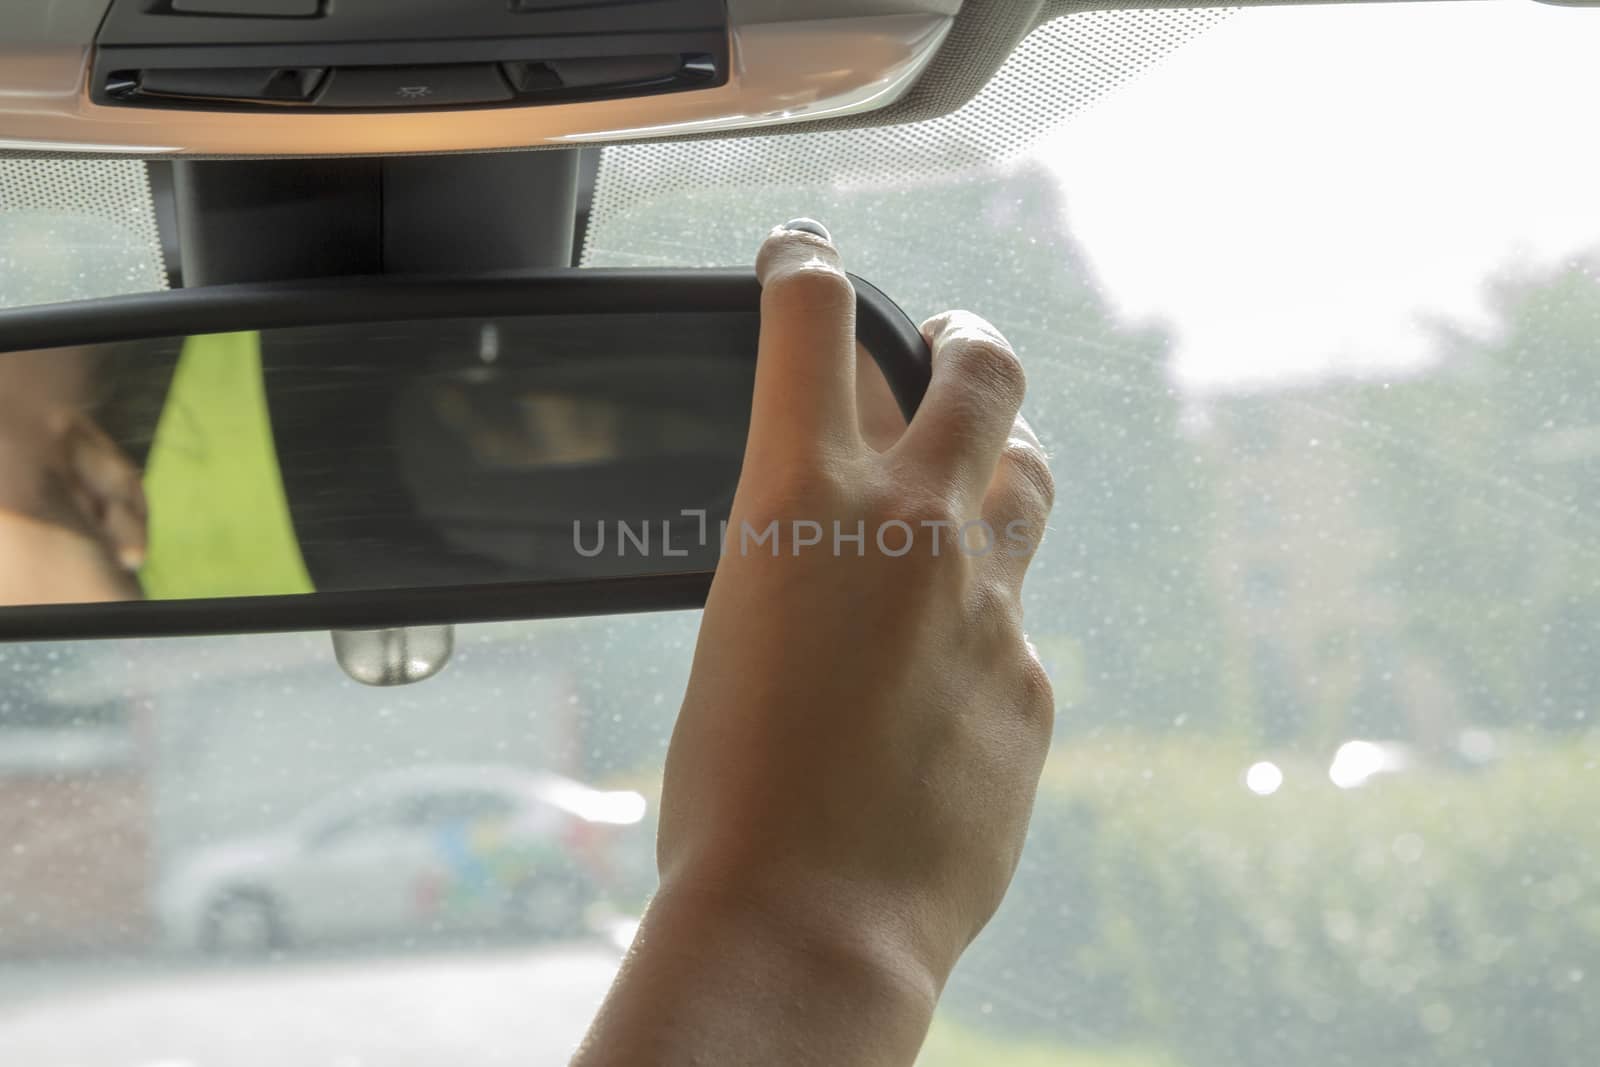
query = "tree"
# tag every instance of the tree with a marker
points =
(1487, 471)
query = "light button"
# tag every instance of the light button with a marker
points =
(446, 85)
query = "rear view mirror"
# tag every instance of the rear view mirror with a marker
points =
(381, 452)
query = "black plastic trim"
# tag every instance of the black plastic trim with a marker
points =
(379, 23)
(148, 56)
(162, 196)
(491, 211)
(281, 220)
(274, 220)
(367, 610)
(133, 87)
(881, 326)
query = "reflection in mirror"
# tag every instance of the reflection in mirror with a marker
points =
(371, 456)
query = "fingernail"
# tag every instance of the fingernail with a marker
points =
(811, 226)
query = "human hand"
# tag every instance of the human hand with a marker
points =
(851, 775)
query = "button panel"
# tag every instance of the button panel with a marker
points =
(257, 8)
(447, 85)
(283, 85)
(411, 87)
(616, 70)
(402, 55)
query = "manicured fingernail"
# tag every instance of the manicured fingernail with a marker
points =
(811, 226)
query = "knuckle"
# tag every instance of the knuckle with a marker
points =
(935, 325)
(988, 364)
(1033, 470)
(997, 611)
(914, 522)
(902, 491)
(812, 286)
(924, 509)
(957, 319)
(1038, 704)
(930, 519)
(789, 491)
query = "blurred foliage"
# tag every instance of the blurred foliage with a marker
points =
(1438, 570)
(951, 1044)
(1487, 469)
(1437, 917)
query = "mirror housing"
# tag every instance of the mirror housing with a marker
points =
(588, 331)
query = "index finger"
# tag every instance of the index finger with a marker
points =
(806, 361)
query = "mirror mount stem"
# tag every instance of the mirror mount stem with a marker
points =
(295, 219)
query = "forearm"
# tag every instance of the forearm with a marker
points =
(709, 981)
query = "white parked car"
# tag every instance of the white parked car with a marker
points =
(410, 852)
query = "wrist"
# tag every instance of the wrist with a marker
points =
(790, 954)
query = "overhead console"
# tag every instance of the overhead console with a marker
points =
(388, 55)
(385, 77)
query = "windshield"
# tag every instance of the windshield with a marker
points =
(1309, 306)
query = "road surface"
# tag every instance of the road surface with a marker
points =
(523, 1006)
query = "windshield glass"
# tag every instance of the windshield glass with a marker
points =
(1309, 310)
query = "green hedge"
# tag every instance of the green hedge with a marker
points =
(1438, 917)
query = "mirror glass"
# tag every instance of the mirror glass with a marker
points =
(371, 456)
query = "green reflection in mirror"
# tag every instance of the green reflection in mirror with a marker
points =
(219, 518)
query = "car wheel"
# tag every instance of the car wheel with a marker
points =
(547, 907)
(242, 923)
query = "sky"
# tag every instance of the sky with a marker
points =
(1301, 190)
